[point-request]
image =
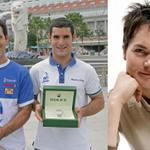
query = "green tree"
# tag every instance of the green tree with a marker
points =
(47, 21)
(82, 29)
(37, 28)
(31, 39)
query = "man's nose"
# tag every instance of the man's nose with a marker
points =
(147, 63)
(61, 41)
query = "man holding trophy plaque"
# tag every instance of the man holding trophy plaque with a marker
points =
(64, 84)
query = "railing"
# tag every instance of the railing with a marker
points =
(100, 65)
(98, 62)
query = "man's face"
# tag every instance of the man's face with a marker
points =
(3, 42)
(138, 57)
(61, 40)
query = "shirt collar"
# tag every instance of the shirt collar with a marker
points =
(5, 64)
(54, 63)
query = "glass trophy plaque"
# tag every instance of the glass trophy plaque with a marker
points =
(58, 107)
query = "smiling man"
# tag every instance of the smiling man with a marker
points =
(16, 96)
(62, 68)
(129, 101)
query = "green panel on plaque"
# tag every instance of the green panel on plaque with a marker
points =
(58, 108)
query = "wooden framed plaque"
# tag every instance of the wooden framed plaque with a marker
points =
(58, 107)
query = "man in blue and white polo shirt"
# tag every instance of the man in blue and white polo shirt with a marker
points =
(62, 68)
(16, 98)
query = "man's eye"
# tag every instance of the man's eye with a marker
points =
(140, 51)
(55, 37)
(66, 37)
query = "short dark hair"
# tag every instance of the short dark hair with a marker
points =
(60, 23)
(138, 15)
(4, 28)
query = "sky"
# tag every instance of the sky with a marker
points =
(116, 10)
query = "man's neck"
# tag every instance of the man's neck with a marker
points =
(63, 61)
(3, 59)
(146, 96)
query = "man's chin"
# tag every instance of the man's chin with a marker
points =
(145, 84)
(62, 54)
(2, 53)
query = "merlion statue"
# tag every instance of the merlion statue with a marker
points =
(4, 16)
(19, 19)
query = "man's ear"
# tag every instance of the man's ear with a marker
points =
(74, 36)
(7, 38)
(124, 52)
(49, 37)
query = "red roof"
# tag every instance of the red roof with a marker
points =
(67, 6)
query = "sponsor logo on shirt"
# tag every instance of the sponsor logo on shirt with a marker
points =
(78, 80)
(9, 85)
(6, 80)
(45, 78)
(9, 91)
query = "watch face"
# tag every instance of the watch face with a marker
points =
(59, 112)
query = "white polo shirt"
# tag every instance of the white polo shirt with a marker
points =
(79, 74)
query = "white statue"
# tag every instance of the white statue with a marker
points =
(4, 16)
(19, 18)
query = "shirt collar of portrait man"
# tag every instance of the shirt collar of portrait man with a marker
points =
(137, 56)
(61, 40)
(55, 63)
(3, 43)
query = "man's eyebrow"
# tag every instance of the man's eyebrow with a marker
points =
(63, 36)
(55, 35)
(66, 35)
(140, 45)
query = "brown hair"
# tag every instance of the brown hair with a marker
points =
(4, 28)
(60, 23)
(138, 15)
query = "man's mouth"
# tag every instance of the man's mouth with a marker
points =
(144, 74)
(61, 48)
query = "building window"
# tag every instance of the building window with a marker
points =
(91, 26)
(100, 26)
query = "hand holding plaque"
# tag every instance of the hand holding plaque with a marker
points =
(58, 108)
